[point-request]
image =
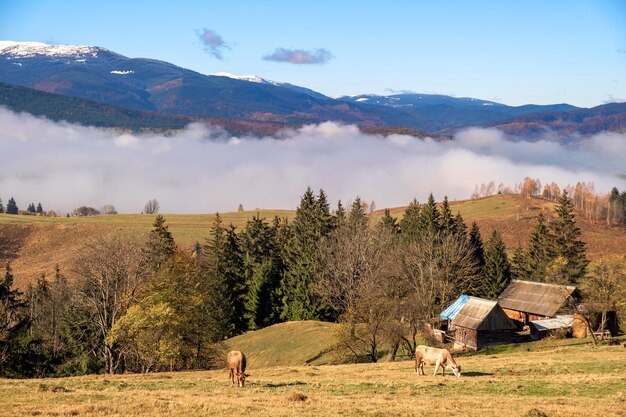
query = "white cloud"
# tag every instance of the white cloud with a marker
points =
(203, 169)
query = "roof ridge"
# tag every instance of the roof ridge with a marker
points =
(546, 284)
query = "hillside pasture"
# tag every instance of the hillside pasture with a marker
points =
(35, 244)
(554, 378)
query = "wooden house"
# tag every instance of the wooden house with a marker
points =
(481, 323)
(526, 301)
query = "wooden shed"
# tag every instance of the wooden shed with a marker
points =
(526, 301)
(481, 323)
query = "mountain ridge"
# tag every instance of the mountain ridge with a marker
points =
(243, 102)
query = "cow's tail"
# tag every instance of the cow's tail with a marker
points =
(242, 364)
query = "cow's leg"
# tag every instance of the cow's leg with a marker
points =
(232, 376)
(436, 368)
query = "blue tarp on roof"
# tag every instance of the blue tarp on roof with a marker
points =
(453, 309)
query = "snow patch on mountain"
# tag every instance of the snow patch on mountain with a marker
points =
(120, 72)
(249, 78)
(32, 49)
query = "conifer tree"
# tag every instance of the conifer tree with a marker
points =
(12, 206)
(160, 245)
(222, 276)
(476, 246)
(39, 208)
(340, 214)
(429, 217)
(566, 240)
(518, 264)
(539, 254)
(311, 223)
(357, 214)
(446, 218)
(31, 208)
(10, 320)
(324, 218)
(497, 267)
(410, 223)
(262, 272)
(389, 222)
(459, 228)
(1, 207)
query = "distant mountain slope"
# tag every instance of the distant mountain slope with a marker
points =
(91, 113)
(259, 80)
(253, 104)
(436, 112)
(607, 117)
(80, 111)
(98, 74)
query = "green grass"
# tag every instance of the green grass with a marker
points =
(287, 344)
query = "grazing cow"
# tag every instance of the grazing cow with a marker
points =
(237, 365)
(438, 357)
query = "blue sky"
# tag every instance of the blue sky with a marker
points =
(513, 52)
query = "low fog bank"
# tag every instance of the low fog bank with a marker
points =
(203, 169)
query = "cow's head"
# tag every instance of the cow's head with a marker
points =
(241, 379)
(457, 370)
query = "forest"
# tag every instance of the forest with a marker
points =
(144, 304)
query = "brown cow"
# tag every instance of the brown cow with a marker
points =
(438, 357)
(237, 365)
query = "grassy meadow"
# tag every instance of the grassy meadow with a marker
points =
(548, 378)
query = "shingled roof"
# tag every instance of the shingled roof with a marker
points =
(535, 297)
(481, 314)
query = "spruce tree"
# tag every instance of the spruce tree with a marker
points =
(459, 228)
(566, 240)
(160, 245)
(518, 264)
(12, 206)
(1, 207)
(223, 280)
(446, 218)
(39, 208)
(357, 215)
(539, 254)
(261, 271)
(497, 268)
(10, 320)
(476, 246)
(389, 222)
(410, 223)
(429, 217)
(311, 223)
(324, 218)
(31, 208)
(340, 214)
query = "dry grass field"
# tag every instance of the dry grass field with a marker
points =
(555, 378)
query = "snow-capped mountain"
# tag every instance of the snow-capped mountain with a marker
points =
(259, 80)
(15, 50)
(101, 75)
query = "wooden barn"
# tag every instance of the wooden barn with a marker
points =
(526, 301)
(481, 323)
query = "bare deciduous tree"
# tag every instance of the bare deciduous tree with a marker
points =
(109, 271)
(151, 207)
(355, 276)
(434, 270)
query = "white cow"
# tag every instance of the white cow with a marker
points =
(438, 357)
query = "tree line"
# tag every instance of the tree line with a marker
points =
(147, 305)
(592, 206)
